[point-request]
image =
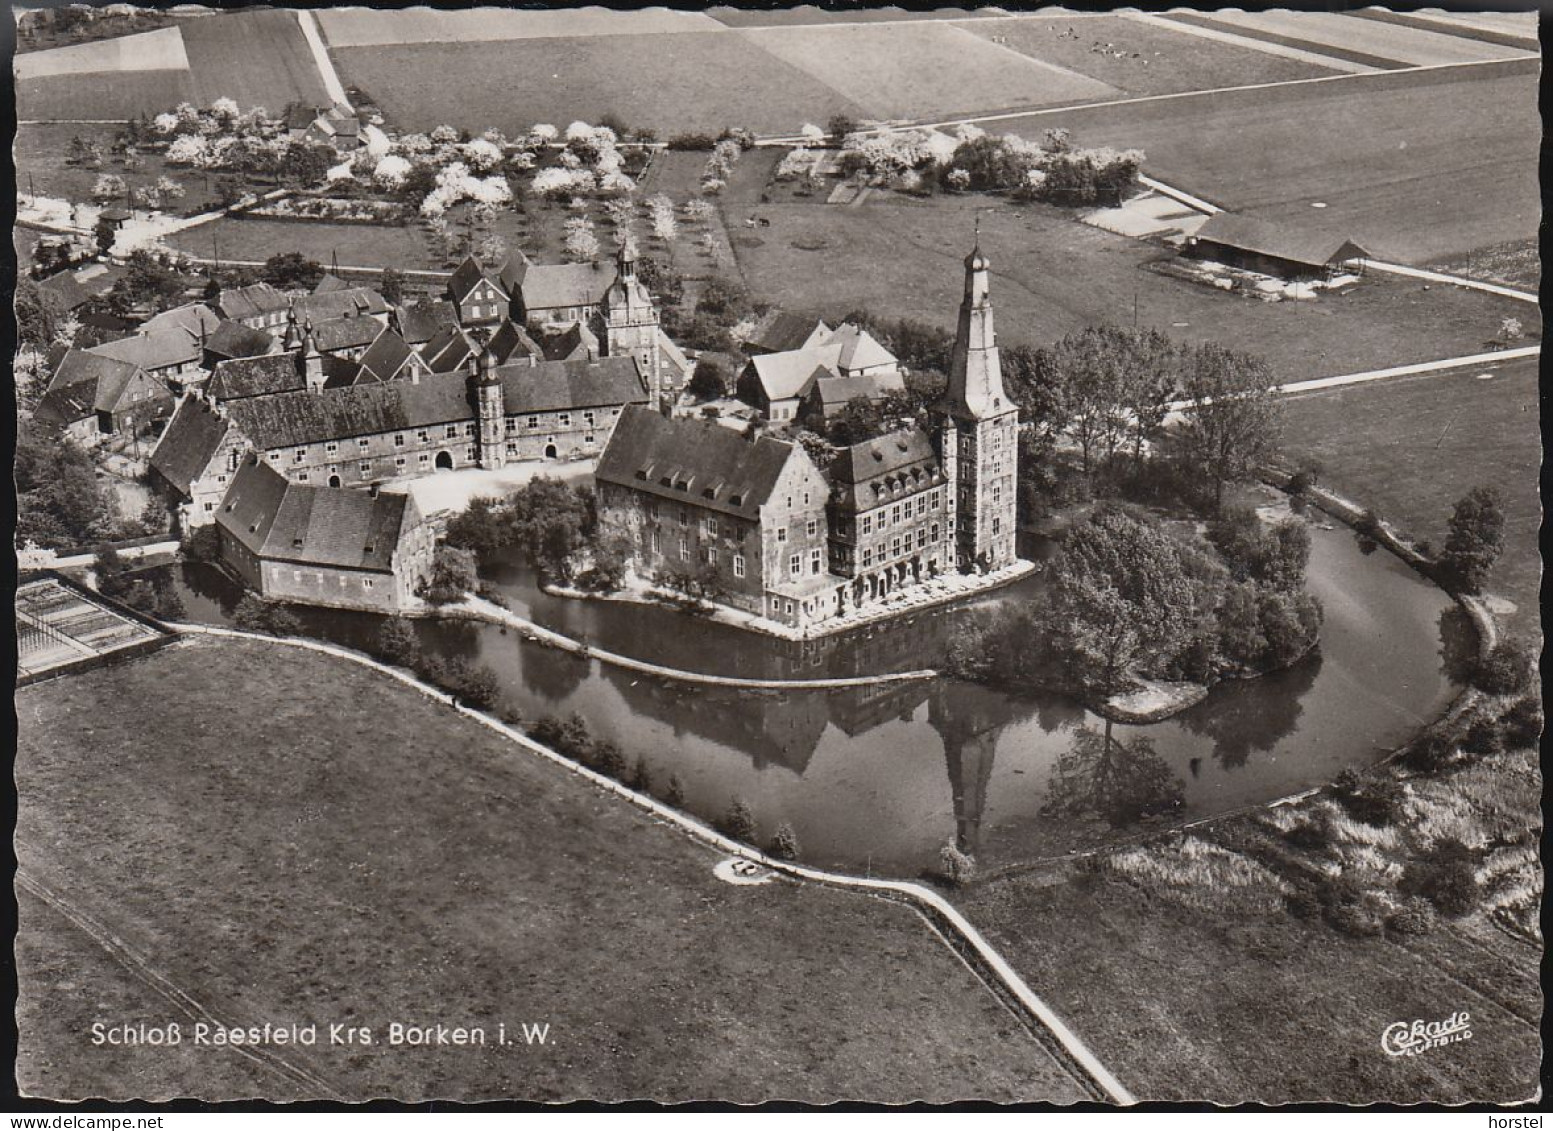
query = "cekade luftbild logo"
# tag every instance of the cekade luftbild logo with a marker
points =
(1409, 1038)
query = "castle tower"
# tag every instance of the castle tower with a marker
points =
(979, 433)
(491, 409)
(312, 361)
(292, 341)
(631, 324)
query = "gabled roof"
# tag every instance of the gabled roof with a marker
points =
(551, 386)
(233, 339)
(255, 377)
(251, 301)
(859, 348)
(789, 374)
(195, 317)
(293, 419)
(575, 343)
(387, 356)
(68, 292)
(68, 403)
(778, 331)
(422, 321)
(513, 271)
(320, 307)
(877, 471)
(466, 277)
(336, 334)
(450, 351)
(112, 390)
(510, 340)
(188, 443)
(1296, 244)
(330, 282)
(326, 526)
(552, 286)
(79, 367)
(833, 393)
(694, 461)
(160, 349)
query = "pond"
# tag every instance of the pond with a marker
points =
(878, 779)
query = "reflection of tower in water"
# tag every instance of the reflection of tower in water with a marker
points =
(969, 719)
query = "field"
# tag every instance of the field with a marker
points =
(1516, 264)
(1410, 448)
(897, 256)
(396, 862)
(1388, 43)
(258, 58)
(369, 27)
(160, 50)
(1150, 59)
(696, 81)
(808, 14)
(1415, 166)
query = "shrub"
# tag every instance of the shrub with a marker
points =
(397, 642)
(784, 846)
(610, 761)
(547, 731)
(1309, 836)
(641, 776)
(1523, 722)
(1359, 920)
(1416, 918)
(674, 792)
(1303, 903)
(1303, 480)
(478, 686)
(1484, 735)
(1445, 875)
(1506, 670)
(739, 821)
(955, 866)
(1431, 752)
(1377, 803)
(283, 622)
(692, 141)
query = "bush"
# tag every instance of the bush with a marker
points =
(1357, 920)
(692, 141)
(254, 614)
(610, 760)
(739, 822)
(1506, 670)
(1416, 918)
(674, 792)
(1445, 875)
(1379, 803)
(955, 866)
(1303, 903)
(547, 732)
(1484, 735)
(784, 846)
(1309, 836)
(202, 544)
(1523, 723)
(1431, 752)
(397, 642)
(641, 776)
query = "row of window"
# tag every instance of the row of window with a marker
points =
(898, 513)
(898, 546)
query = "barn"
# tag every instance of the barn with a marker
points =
(1281, 250)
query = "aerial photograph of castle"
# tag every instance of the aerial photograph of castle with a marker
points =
(777, 556)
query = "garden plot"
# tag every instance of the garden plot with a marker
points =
(372, 27)
(923, 69)
(160, 50)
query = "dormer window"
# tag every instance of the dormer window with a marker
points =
(736, 500)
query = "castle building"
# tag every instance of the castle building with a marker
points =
(777, 536)
(978, 433)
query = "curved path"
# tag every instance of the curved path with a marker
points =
(477, 608)
(969, 942)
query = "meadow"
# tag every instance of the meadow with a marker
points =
(398, 862)
(1337, 32)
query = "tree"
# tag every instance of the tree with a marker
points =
(453, 575)
(60, 502)
(391, 285)
(1231, 416)
(1475, 540)
(307, 163)
(1445, 875)
(397, 642)
(1507, 669)
(709, 382)
(85, 153)
(108, 187)
(39, 314)
(839, 126)
(739, 821)
(784, 845)
(288, 269)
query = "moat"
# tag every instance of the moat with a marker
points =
(878, 779)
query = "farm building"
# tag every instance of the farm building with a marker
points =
(323, 545)
(1280, 250)
(92, 394)
(778, 331)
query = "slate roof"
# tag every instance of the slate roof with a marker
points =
(160, 349)
(449, 351)
(68, 403)
(576, 342)
(1298, 245)
(779, 331)
(195, 317)
(251, 301)
(833, 393)
(551, 286)
(421, 322)
(233, 339)
(876, 471)
(859, 348)
(653, 453)
(387, 356)
(66, 290)
(320, 307)
(552, 386)
(465, 278)
(789, 374)
(188, 442)
(255, 377)
(330, 282)
(510, 340)
(79, 367)
(336, 334)
(112, 388)
(326, 526)
(513, 272)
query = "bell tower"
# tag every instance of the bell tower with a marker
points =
(979, 432)
(491, 411)
(631, 324)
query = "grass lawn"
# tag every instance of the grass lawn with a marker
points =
(1415, 166)
(1141, 59)
(1516, 264)
(1410, 448)
(41, 151)
(393, 861)
(697, 81)
(1053, 275)
(357, 245)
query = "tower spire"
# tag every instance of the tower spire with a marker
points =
(975, 372)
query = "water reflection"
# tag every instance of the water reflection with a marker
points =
(881, 776)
